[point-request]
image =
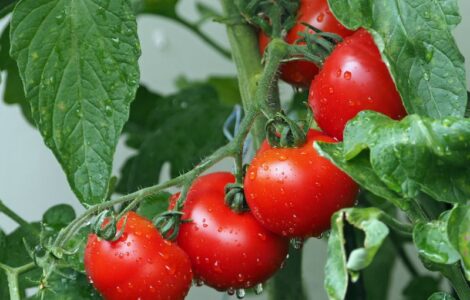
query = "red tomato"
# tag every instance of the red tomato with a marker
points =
(318, 14)
(227, 250)
(139, 265)
(354, 78)
(294, 191)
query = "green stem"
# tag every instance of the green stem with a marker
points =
(195, 29)
(244, 44)
(457, 279)
(398, 226)
(12, 277)
(15, 217)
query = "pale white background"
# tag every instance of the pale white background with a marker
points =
(31, 180)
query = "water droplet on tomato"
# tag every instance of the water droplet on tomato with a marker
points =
(297, 243)
(252, 175)
(170, 270)
(262, 236)
(241, 293)
(282, 157)
(217, 267)
(258, 289)
(347, 75)
(339, 72)
(118, 289)
(163, 255)
(231, 291)
(199, 282)
(320, 17)
(331, 90)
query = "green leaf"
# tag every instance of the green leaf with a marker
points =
(416, 42)
(73, 286)
(165, 8)
(337, 265)
(13, 93)
(360, 171)
(227, 87)
(458, 230)
(415, 154)
(419, 288)
(441, 296)
(180, 129)
(78, 62)
(154, 205)
(432, 242)
(58, 216)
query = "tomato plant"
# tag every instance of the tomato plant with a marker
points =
(140, 264)
(294, 192)
(314, 13)
(227, 250)
(354, 78)
(382, 167)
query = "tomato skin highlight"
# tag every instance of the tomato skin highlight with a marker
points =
(227, 250)
(139, 265)
(294, 191)
(316, 13)
(354, 78)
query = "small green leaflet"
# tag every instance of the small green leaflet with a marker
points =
(432, 242)
(458, 230)
(338, 266)
(78, 63)
(180, 129)
(409, 156)
(416, 42)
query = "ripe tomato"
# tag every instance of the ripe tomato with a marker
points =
(318, 14)
(294, 191)
(227, 250)
(139, 265)
(354, 78)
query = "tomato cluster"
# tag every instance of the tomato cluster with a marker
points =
(291, 192)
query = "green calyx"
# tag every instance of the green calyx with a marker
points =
(283, 132)
(274, 17)
(235, 197)
(168, 223)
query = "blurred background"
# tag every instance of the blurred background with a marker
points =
(31, 179)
